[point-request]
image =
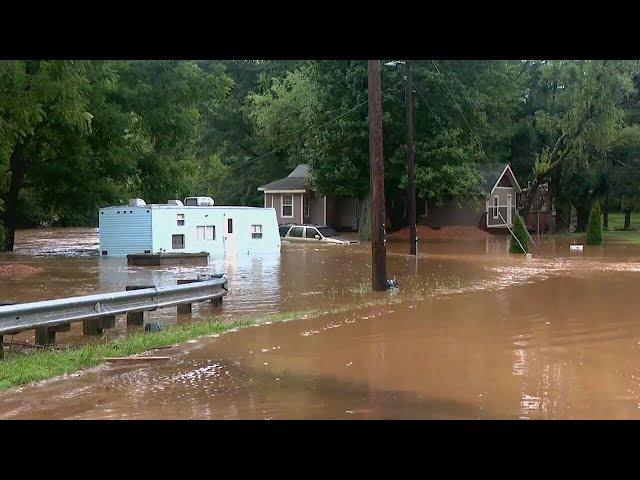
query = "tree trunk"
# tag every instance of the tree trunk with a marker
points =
(627, 219)
(582, 218)
(605, 209)
(563, 214)
(18, 166)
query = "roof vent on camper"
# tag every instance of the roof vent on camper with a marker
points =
(137, 202)
(177, 203)
(198, 201)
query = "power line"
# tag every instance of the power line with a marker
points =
(473, 133)
(300, 137)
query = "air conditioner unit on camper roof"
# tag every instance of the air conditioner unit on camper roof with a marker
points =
(198, 201)
(137, 202)
(177, 203)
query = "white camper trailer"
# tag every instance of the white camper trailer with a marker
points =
(178, 227)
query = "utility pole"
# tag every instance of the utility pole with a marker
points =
(411, 184)
(378, 248)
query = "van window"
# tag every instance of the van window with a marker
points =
(177, 241)
(296, 232)
(284, 230)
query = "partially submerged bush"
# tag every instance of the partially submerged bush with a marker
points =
(3, 237)
(594, 227)
(520, 232)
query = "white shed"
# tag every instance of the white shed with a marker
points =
(171, 228)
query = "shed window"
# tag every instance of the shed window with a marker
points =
(495, 207)
(177, 241)
(287, 206)
(181, 219)
(256, 231)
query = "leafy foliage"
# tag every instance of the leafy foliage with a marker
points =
(594, 227)
(519, 232)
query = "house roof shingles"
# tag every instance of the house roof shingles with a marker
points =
(293, 182)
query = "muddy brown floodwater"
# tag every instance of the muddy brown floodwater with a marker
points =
(473, 333)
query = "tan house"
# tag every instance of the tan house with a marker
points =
(494, 208)
(295, 202)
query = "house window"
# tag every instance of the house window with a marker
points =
(177, 241)
(287, 206)
(307, 206)
(495, 207)
(181, 219)
(256, 231)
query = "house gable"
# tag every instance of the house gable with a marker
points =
(507, 179)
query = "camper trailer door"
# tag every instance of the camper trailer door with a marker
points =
(229, 235)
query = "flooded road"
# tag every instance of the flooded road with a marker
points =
(472, 333)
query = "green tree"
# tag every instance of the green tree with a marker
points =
(519, 239)
(594, 227)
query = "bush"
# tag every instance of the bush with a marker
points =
(520, 232)
(594, 227)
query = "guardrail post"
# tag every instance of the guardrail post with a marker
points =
(3, 303)
(137, 318)
(185, 307)
(45, 336)
(1, 348)
(92, 326)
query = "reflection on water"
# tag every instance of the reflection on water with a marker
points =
(473, 333)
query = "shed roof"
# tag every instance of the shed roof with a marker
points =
(491, 173)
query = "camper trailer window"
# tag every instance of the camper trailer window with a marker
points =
(287, 206)
(256, 231)
(200, 231)
(177, 241)
(229, 225)
(181, 219)
(210, 232)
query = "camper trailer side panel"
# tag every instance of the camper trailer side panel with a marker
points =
(124, 230)
(248, 221)
(175, 229)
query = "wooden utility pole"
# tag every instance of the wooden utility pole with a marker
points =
(411, 183)
(378, 248)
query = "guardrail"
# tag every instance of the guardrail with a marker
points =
(98, 311)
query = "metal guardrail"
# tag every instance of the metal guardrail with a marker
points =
(49, 313)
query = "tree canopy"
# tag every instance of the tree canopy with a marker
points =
(77, 135)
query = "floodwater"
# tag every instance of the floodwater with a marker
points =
(473, 332)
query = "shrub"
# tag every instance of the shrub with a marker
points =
(520, 232)
(594, 227)
(3, 237)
